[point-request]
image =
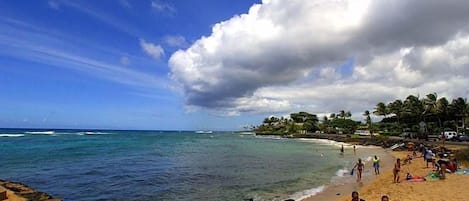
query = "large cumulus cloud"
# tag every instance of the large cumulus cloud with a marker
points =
(285, 56)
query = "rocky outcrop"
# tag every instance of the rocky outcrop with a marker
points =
(26, 192)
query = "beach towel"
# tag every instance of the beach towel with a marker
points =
(432, 177)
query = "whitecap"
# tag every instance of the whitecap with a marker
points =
(40, 132)
(11, 135)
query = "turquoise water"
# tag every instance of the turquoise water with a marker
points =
(167, 165)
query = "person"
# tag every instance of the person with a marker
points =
(384, 198)
(356, 197)
(429, 158)
(397, 168)
(376, 164)
(342, 149)
(360, 166)
(354, 150)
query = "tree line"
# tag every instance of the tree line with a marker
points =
(429, 114)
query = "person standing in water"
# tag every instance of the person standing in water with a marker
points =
(360, 166)
(376, 164)
(342, 149)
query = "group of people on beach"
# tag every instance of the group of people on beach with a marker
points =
(360, 166)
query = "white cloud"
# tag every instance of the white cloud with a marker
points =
(155, 51)
(286, 55)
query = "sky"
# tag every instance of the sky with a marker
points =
(219, 64)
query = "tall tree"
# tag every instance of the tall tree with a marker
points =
(460, 108)
(413, 107)
(348, 114)
(342, 114)
(380, 110)
(441, 109)
(397, 109)
(367, 118)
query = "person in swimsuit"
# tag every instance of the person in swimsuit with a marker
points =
(360, 166)
(395, 171)
(376, 164)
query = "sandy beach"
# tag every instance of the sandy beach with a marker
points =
(336, 191)
(451, 188)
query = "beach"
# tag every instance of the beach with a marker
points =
(451, 188)
(340, 190)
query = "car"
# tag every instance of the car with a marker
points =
(449, 134)
(463, 138)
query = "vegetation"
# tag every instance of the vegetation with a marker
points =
(430, 114)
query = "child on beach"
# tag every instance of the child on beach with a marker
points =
(395, 171)
(360, 166)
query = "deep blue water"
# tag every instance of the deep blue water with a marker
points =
(156, 165)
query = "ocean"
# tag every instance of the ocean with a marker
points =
(79, 165)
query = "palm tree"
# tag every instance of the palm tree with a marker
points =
(342, 114)
(380, 110)
(441, 109)
(367, 118)
(460, 108)
(348, 114)
(430, 104)
(413, 107)
(397, 109)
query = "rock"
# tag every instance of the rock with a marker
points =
(3, 193)
(26, 192)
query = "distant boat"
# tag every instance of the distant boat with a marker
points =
(204, 132)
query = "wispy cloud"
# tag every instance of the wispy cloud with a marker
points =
(125, 60)
(118, 24)
(176, 41)
(125, 4)
(53, 4)
(50, 48)
(155, 51)
(162, 7)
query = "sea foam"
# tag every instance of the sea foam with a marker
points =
(11, 135)
(40, 132)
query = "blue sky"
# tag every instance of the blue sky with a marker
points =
(219, 64)
(79, 64)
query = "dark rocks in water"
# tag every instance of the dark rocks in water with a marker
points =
(26, 191)
(290, 200)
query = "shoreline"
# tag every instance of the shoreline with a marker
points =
(334, 191)
(372, 188)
